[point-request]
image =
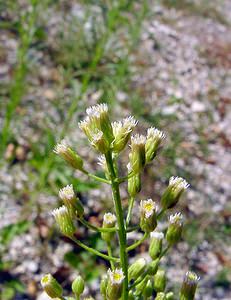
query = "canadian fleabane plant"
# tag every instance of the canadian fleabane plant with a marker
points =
(142, 278)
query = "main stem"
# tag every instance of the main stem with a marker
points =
(120, 221)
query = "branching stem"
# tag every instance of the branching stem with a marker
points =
(139, 242)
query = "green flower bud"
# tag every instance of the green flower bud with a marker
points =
(160, 296)
(189, 286)
(175, 227)
(99, 142)
(154, 139)
(69, 155)
(160, 281)
(134, 185)
(170, 296)
(141, 286)
(71, 201)
(122, 131)
(109, 221)
(148, 220)
(153, 267)
(64, 220)
(51, 286)
(115, 284)
(155, 247)
(103, 286)
(136, 269)
(137, 154)
(78, 286)
(148, 289)
(171, 196)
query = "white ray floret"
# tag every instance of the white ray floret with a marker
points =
(61, 147)
(67, 192)
(109, 218)
(97, 110)
(191, 278)
(116, 276)
(177, 218)
(178, 183)
(154, 133)
(138, 139)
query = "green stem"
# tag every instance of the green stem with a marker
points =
(164, 251)
(130, 207)
(139, 279)
(93, 251)
(95, 228)
(96, 177)
(160, 214)
(120, 221)
(139, 242)
(109, 251)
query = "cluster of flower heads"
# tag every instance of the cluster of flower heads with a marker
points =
(105, 136)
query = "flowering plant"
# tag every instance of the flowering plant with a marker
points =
(142, 279)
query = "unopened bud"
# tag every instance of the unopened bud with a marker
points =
(109, 221)
(51, 286)
(160, 296)
(155, 247)
(134, 185)
(70, 200)
(148, 220)
(153, 267)
(189, 286)
(136, 269)
(154, 139)
(78, 286)
(171, 196)
(69, 155)
(148, 289)
(175, 227)
(170, 296)
(122, 131)
(141, 286)
(131, 296)
(137, 154)
(115, 284)
(103, 285)
(64, 220)
(160, 281)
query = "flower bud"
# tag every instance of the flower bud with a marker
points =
(99, 116)
(137, 154)
(153, 267)
(69, 155)
(122, 131)
(160, 281)
(170, 296)
(115, 284)
(109, 221)
(189, 286)
(71, 201)
(103, 285)
(148, 289)
(136, 269)
(99, 142)
(134, 185)
(154, 139)
(141, 286)
(171, 196)
(64, 220)
(148, 215)
(155, 247)
(160, 296)
(131, 296)
(78, 286)
(51, 286)
(175, 227)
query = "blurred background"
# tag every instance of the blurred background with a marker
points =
(166, 62)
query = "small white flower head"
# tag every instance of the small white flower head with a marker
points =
(138, 140)
(178, 183)
(124, 127)
(191, 278)
(51, 286)
(154, 133)
(101, 161)
(157, 235)
(97, 137)
(97, 110)
(67, 193)
(177, 218)
(61, 148)
(116, 276)
(147, 207)
(64, 220)
(109, 218)
(46, 280)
